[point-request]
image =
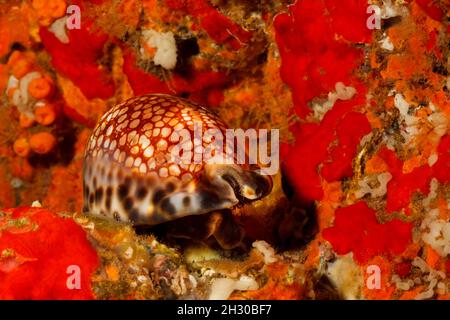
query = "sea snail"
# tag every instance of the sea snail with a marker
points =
(130, 174)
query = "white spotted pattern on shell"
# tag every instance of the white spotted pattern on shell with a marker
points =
(130, 173)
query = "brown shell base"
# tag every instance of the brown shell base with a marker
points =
(217, 229)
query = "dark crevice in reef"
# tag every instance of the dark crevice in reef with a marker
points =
(298, 227)
(186, 48)
(299, 223)
(388, 23)
(64, 151)
(325, 290)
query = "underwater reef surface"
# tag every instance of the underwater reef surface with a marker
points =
(363, 111)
